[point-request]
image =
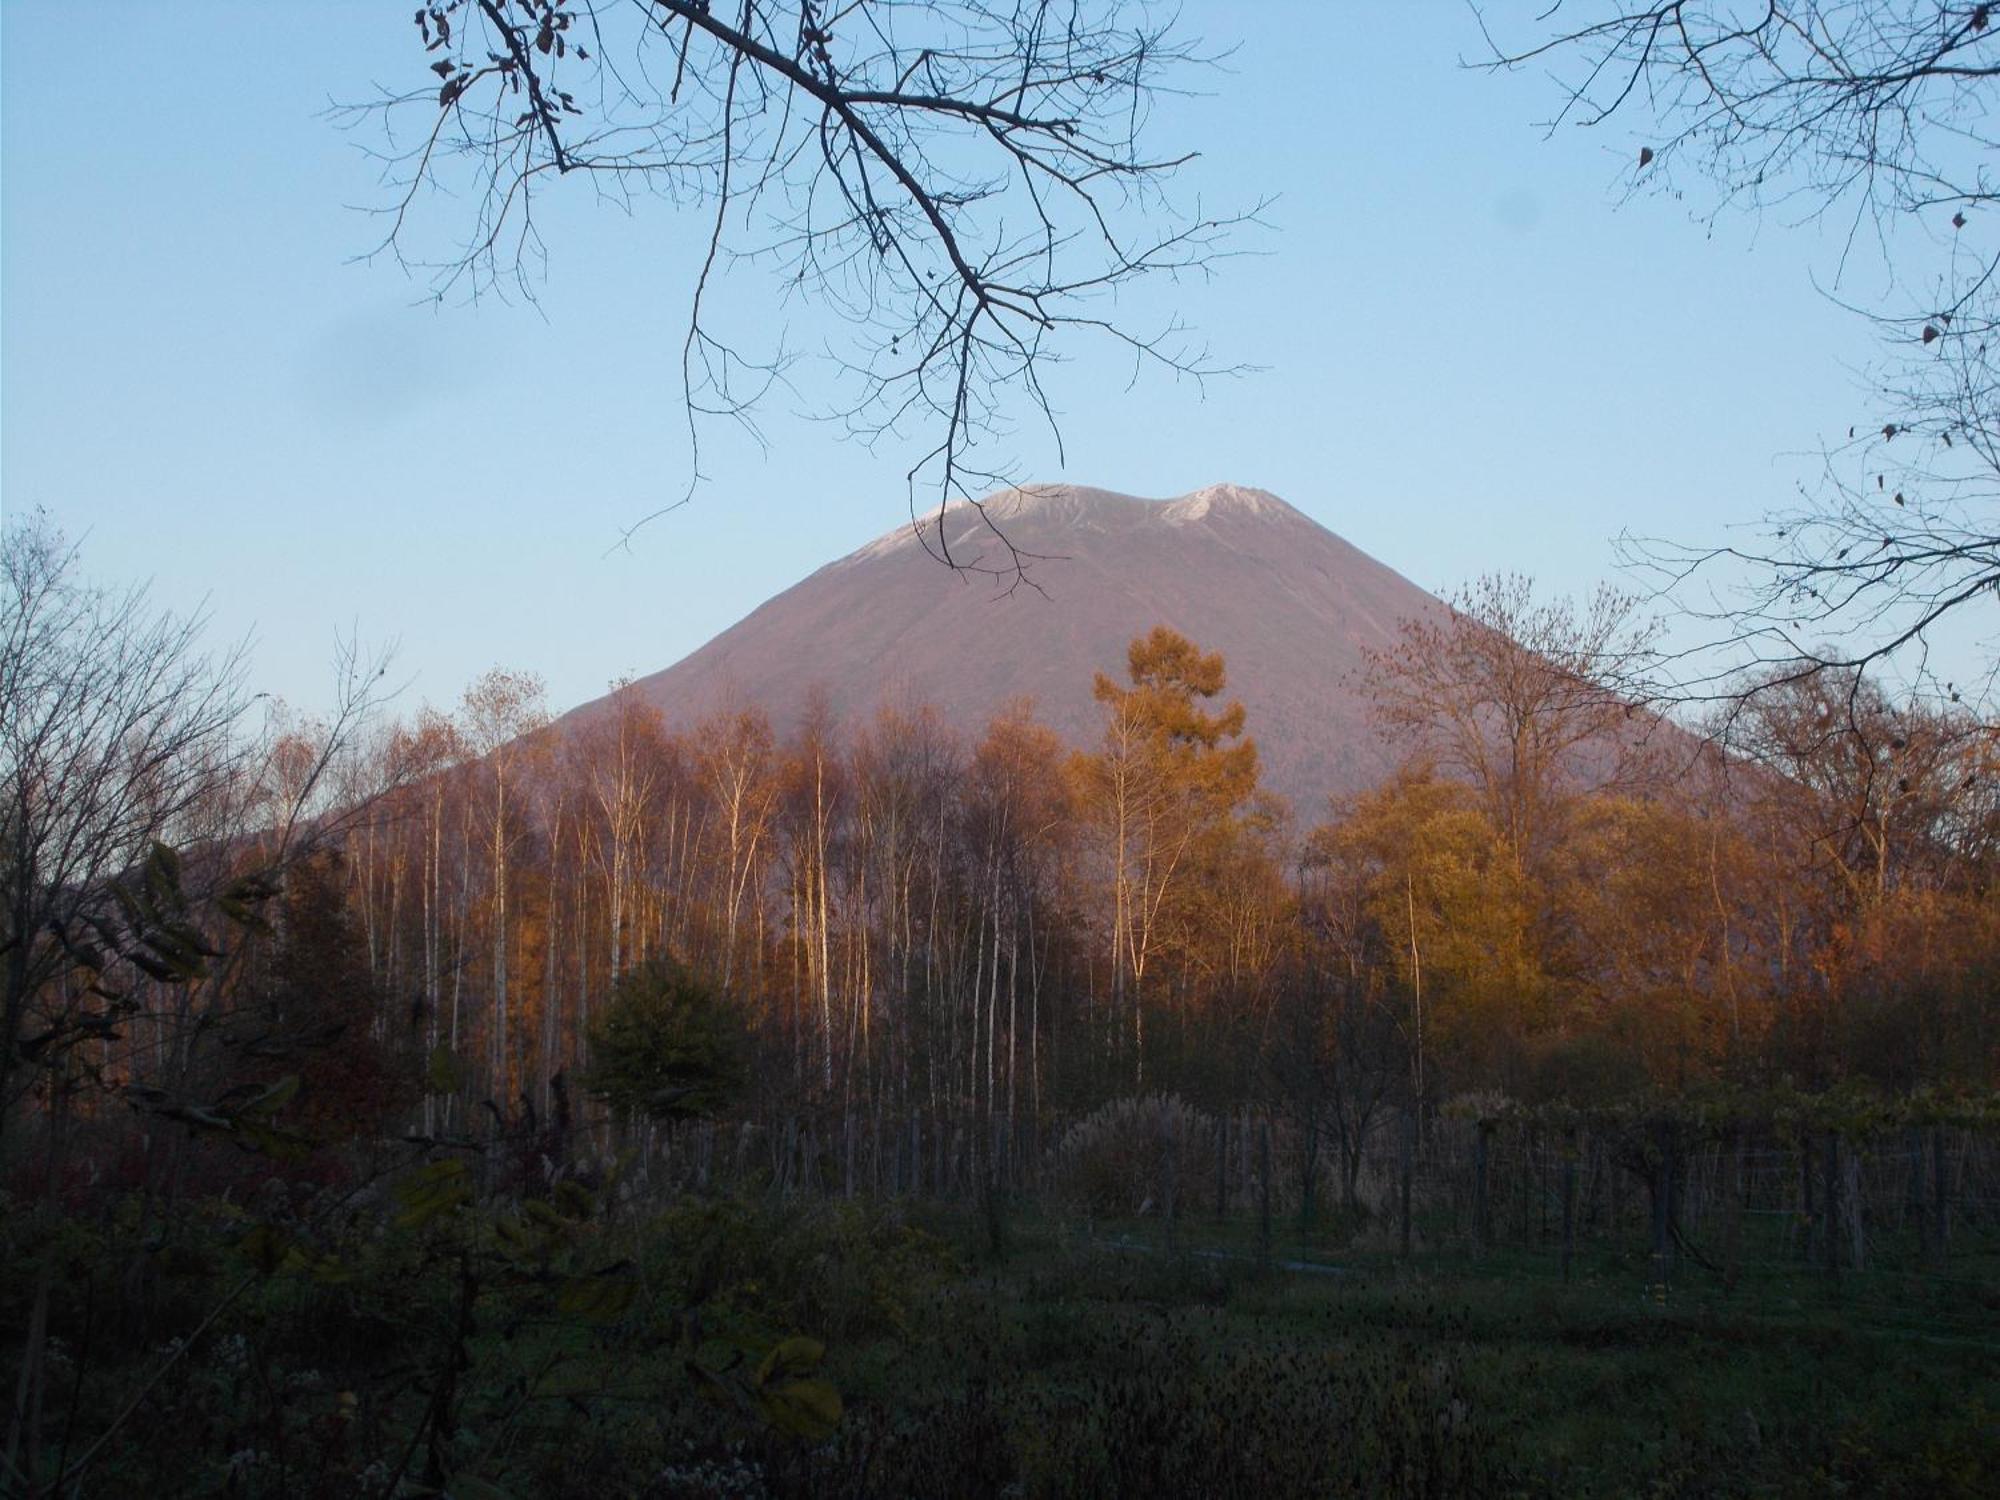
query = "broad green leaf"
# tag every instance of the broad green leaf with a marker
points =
(597, 1299)
(272, 1140)
(808, 1409)
(716, 1388)
(266, 1248)
(444, 1073)
(430, 1192)
(274, 1098)
(795, 1356)
(330, 1270)
(541, 1213)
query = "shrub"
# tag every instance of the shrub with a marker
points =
(1122, 1157)
(837, 1271)
(669, 1045)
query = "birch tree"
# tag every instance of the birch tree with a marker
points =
(501, 710)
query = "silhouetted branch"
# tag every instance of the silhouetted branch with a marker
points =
(961, 184)
(1876, 108)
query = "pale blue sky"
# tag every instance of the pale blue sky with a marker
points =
(1474, 358)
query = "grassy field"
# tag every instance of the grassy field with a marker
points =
(698, 1353)
(1462, 1377)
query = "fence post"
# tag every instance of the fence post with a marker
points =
(1568, 1198)
(992, 1191)
(1615, 1191)
(1221, 1166)
(1542, 1184)
(1264, 1190)
(1732, 1232)
(1940, 1200)
(1853, 1200)
(1407, 1167)
(1676, 1182)
(1482, 1227)
(1245, 1140)
(1914, 1208)
(1807, 1214)
(1663, 1209)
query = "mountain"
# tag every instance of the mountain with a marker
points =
(1290, 605)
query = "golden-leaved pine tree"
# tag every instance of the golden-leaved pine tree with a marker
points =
(1169, 774)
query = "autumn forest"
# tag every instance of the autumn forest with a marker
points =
(1579, 983)
(1552, 899)
(1082, 995)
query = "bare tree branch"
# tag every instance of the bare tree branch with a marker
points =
(1881, 110)
(962, 184)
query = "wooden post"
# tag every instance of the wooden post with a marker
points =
(991, 1192)
(1308, 1173)
(1568, 1198)
(1915, 1180)
(1525, 1176)
(1940, 1201)
(1676, 1174)
(1810, 1250)
(1732, 1224)
(1615, 1190)
(1221, 1167)
(1663, 1200)
(1243, 1141)
(1264, 1190)
(1407, 1169)
(1542, 1175)
(1482, 1226)
(1853, 1203)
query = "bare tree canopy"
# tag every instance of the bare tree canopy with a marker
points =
(962, 185)
(1876, 105)
(137, 803)
(1528, 701)
(116, 734)
(1878, 115)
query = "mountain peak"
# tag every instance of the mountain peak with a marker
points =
(969, 523)
(1226, 499)
(1293, 609)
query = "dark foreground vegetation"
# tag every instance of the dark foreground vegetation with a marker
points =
(426, 1343)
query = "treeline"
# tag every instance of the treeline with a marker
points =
(1557, 898)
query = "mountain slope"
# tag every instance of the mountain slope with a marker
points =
(1290, 605)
